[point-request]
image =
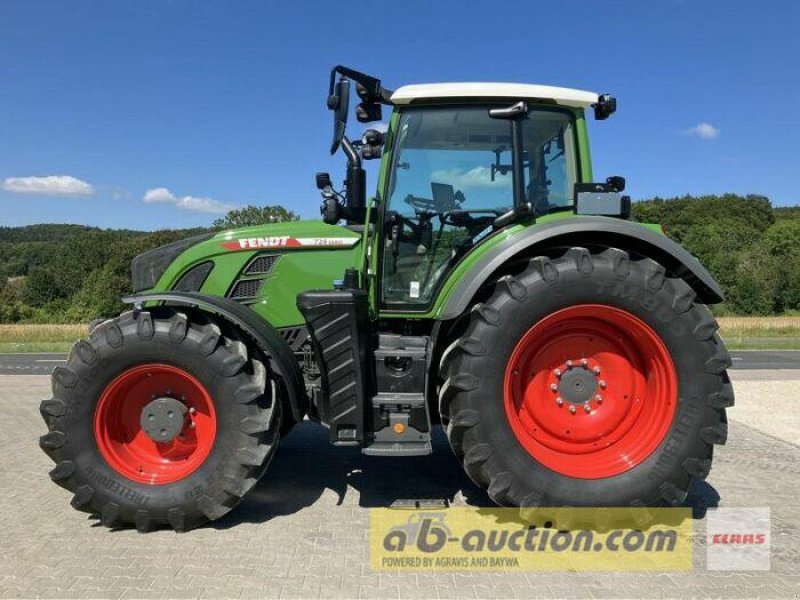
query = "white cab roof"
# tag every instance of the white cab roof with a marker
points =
(429, 91)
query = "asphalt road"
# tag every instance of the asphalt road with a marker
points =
(43, 364)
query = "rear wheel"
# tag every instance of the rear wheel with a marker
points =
(160, 419)
(589, 379)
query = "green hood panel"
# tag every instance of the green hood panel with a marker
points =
(312, 256)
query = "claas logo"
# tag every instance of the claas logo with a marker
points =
(739, 538)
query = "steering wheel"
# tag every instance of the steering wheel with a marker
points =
(421, 204)
(436, 206)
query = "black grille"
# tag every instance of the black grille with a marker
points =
(246, 288)
(294, 336)
(262, 264)
(194, 278)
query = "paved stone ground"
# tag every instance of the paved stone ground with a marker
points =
(302, 533)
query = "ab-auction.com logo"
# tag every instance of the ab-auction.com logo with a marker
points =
(496, 538)
(429, 533)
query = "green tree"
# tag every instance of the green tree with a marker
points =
(758, 283)
(44, 285)
(12, 309)
(783, 239)
(790, 296)
(255, 215)
(100, 294)
(680, 215)
(727, 234)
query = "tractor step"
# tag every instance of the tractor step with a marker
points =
(398, 449)
(401, 425)
(401, 363)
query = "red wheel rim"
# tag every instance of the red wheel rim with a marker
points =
(125, 445)
(609, 356)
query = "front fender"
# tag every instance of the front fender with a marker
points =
(265, 335)
(578, 231)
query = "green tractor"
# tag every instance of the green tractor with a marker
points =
(490, 286)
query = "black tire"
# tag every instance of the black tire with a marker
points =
(473, 368)
(247, 420)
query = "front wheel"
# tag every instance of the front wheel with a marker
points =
(160, 419)
(590, 379)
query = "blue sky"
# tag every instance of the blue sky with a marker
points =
(222, 103)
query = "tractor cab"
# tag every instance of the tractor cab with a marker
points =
(460, 162)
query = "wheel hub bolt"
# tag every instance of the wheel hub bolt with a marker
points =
(584, 363)
(569, 364)
(553, 387)
(596, 370)
(587, 407)
(572, 409)
(557, 372)
(602, 384)
(192, 410)
(559, 401)
(598, 399)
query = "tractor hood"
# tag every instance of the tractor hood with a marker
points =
(160, 267)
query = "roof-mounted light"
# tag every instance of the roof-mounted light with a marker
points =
(605, 106)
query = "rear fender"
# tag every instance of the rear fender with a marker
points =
(262, 333)
(579, 231)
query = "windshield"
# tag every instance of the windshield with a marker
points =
(452, 176)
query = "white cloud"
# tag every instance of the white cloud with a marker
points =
(50, 185)
(705, 131)
(156, 195)
(479, 177)
(205, 205)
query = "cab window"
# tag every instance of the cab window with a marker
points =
(451, 177)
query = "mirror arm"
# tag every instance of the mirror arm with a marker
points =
(353, 157)
(518, 176)
(371, 84)
(355, 183)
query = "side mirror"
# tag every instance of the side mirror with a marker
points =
(339, 103)
(616, 183)
(605, 107)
